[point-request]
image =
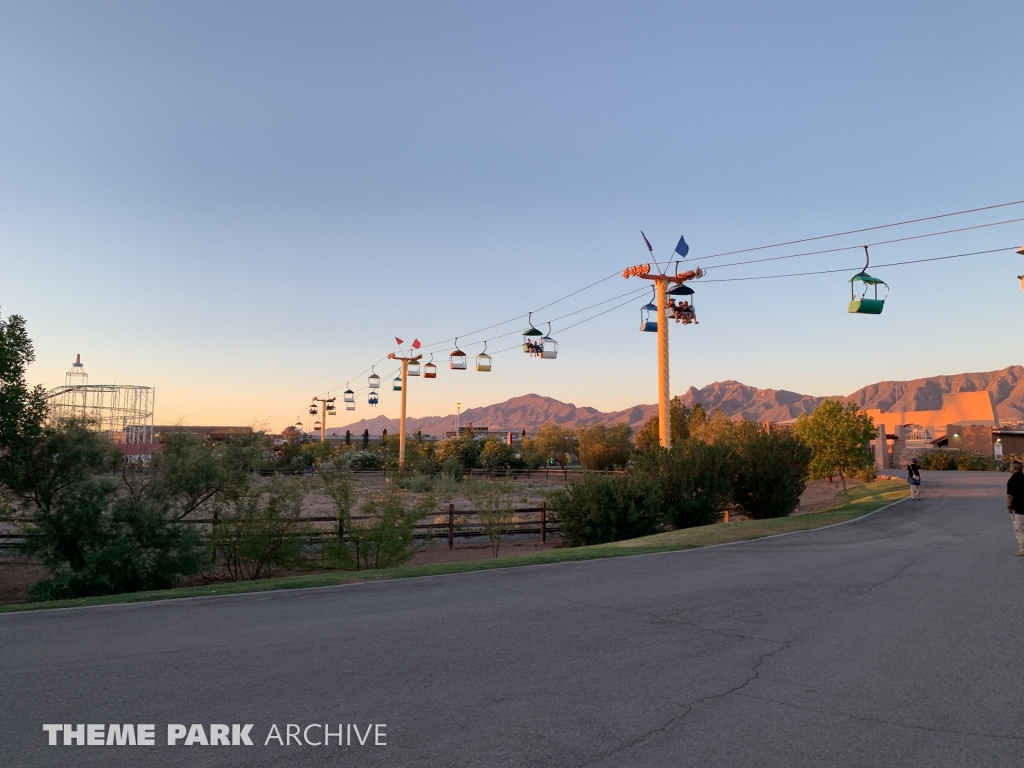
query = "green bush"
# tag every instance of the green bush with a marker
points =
(695, 479)
(771, 473)
(359, 460)
(451, 469)
(598, 509)
(1007, 458)
(386, 534)
(95, 543)
(940, 460)
(413, 481)
(971, 461)
(965, 461)
(261, 529)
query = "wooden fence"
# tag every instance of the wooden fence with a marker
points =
(544, 524)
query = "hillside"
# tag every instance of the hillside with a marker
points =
(735, 399)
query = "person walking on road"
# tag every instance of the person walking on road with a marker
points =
(914, 478)
(1015, 503)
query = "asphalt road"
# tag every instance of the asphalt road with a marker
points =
(892, 641)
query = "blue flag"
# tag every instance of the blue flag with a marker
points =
(682, 249)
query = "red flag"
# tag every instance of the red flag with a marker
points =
(399, 341)
(646, 241)
(416, 344)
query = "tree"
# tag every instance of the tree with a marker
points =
(838, 436)
(556, 444)
(603, 447)
(681, 419)
(94, 537)
(465, 449)
(22, 408)
(497, 456)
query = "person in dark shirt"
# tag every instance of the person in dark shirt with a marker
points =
(1015, 503)
(914, 478)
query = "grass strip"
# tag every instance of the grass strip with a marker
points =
(864, 499)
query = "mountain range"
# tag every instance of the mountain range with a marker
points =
(735, 399)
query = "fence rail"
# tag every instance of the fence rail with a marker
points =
(545, 524)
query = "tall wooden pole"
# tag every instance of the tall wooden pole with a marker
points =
(664, 425)
(401, 419)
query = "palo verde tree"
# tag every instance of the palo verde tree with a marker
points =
(838, 436)
(681, 420)
(604, 447)
(557, 444)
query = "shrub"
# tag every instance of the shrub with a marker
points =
(1006, 459)
(386, 535)
(771, 474)
(494, 506)
(359, 460)
(694, 478)
(413, 481)
(95, 543)
(261, 529)
(971, 461)
(451, 469)
(598, 509)
(939, 460)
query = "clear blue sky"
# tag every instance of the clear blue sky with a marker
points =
(242, 203)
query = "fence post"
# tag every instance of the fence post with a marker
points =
(543, 522)
(451, 526)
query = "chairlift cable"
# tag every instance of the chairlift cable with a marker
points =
(865, 229)
(847, 269)
(870, 245)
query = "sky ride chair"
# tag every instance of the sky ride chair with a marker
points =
(457, 359)
(548, 346)
(483, 360)
(864, 305)
(532, 343)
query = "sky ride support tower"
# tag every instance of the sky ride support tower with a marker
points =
(661, 289)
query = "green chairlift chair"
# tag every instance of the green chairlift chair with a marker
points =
(864, 305)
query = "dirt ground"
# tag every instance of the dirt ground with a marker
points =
(822, 494)
(17, 575)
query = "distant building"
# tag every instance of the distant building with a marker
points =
(214, 434)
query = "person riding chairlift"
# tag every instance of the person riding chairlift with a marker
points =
(682, 312)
